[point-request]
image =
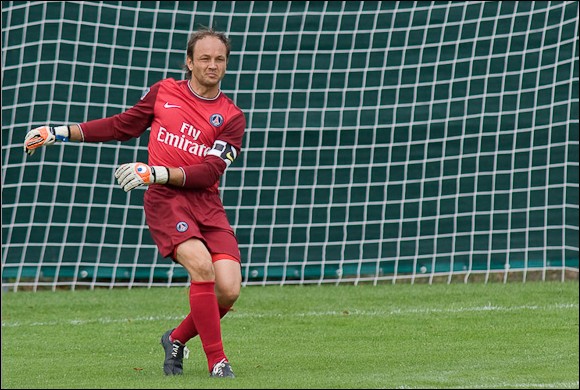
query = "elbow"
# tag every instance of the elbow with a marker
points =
(200, 176)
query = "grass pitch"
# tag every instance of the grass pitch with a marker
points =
(514, 335)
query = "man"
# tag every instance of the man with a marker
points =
(196, 133)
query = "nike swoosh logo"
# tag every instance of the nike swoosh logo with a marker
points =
(229, 156)
(167, 105)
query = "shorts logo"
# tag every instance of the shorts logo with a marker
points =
(216, 119)
(181, 226)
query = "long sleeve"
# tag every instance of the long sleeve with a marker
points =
(123, 126)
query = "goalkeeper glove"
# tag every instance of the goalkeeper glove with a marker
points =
(44, 136)
(133, 175)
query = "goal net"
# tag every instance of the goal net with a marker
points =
(386, 141)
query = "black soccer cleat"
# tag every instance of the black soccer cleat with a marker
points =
(174, 354)
(222, 369)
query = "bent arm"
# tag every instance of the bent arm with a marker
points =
(133, 175)
(220, 157)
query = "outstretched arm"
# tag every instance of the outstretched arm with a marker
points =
(121, 127)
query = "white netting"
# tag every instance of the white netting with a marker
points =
(385, 140)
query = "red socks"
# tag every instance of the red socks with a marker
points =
(203, 319)
(186, 330)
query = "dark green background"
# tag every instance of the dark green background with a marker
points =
(382, 137)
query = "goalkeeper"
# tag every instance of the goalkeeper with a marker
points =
(196, 133)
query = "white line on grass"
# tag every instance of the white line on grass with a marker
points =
(346, 312)
(558, 385)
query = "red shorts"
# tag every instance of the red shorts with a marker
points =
(175, 215)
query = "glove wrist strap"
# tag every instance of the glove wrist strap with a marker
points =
(160, 174)
(62, 133)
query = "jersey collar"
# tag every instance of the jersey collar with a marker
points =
(202, 97)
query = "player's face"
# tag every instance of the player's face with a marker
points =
(208, 66)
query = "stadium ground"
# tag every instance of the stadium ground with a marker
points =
(475, 335)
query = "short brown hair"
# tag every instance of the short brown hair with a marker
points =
(200, 34)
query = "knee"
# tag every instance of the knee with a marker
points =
(227, 296)
(228, 282)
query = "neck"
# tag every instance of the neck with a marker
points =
(203, 91)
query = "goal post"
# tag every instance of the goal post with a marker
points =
(386, 141)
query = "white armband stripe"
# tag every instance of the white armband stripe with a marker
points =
(82, 132)
(183, 171)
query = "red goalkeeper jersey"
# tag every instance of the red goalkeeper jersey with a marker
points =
(186, 129)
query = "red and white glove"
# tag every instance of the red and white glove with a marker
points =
(133, 175)
(44, 136)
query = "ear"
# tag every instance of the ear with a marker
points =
(189, 62)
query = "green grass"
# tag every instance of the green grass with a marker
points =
(515, 335)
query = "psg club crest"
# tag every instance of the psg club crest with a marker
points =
(181, 226)
(216, 119)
